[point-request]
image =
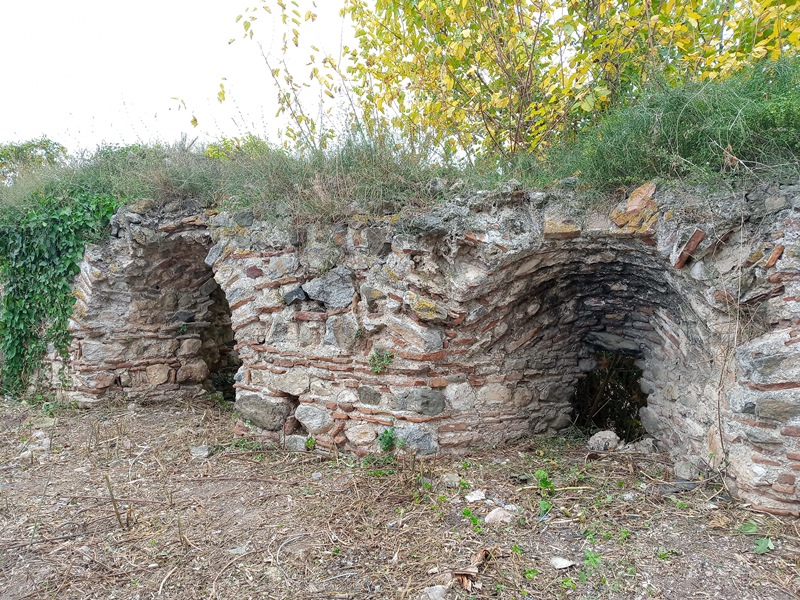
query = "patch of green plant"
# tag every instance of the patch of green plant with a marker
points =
(665, 553)
(379, 361)
(569, 584)
(246, 444)
(371, 460)
(388, 440)
(543, 479)
(382, 461)
(474, 519)
(747, 122)
(748, 528)
(544, 507)
(591, 560)
(530, 573)
(311, 443)
(41, 245)
(763, 545)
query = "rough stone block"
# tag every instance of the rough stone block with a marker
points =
(426, 401)
(268, 413)
(193, 371)
(314, 418)
(360, 434)
(335, 289)
(157, 374)
(294, 382)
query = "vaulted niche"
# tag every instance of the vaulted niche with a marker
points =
(151, 321)
(600, 333)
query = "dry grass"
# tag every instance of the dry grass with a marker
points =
(253, 522)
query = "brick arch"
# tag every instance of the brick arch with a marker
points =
(150, 321)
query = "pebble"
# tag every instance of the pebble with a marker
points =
(475, 496)
(603, 441)
(316, 476)
(436, 592)
(450, 480)
(202, 451)
(498, 516)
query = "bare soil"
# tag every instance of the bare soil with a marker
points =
(118, 507)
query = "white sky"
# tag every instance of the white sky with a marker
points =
(85, 72)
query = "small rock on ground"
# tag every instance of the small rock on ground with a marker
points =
(603, 441)
(450, 480)
(475, 496)
(202, 451)
(436, 592)
(499, 516)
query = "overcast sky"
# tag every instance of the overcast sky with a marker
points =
(86, 72)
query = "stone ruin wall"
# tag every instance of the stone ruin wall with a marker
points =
(492, 306)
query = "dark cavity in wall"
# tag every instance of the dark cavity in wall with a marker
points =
(218, 346)
(610, 396)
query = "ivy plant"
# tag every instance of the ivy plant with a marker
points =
(40, 249)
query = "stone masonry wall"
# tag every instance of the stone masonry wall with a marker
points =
(492, 306)
(147, 322)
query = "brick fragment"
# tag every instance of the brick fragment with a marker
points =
(763, 460)
(776, 254)
(689, 247)
(305, 315)
(783, 489)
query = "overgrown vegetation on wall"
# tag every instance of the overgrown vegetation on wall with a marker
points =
(744, 126)
(40, 248)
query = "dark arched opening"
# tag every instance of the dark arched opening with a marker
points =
(610, 396)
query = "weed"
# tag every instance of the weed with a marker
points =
(474, 519)
(763, 545)
(531, 573)
(516, 550)
(569, 584)
(664, 553)
(245, 444)
(591, 560)
(544, 507)
(387, 440)
(379, 361)
(311, 443)
(543, 478)
(748, 528)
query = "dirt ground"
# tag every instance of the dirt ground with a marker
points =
(118, 507)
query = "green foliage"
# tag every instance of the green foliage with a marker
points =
(373, 460)
(387, 440)
(28, 156)
(474, 519)
(748, 528)
(311, 443)
(746, 122)
(610, 396)
(39, 254)
(472, 78)
(378, 361)
(763, 545)
(543, 479)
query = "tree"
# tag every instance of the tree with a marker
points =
(506, 76)
(29, 155)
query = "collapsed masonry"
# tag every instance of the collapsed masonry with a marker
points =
(492, 307)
